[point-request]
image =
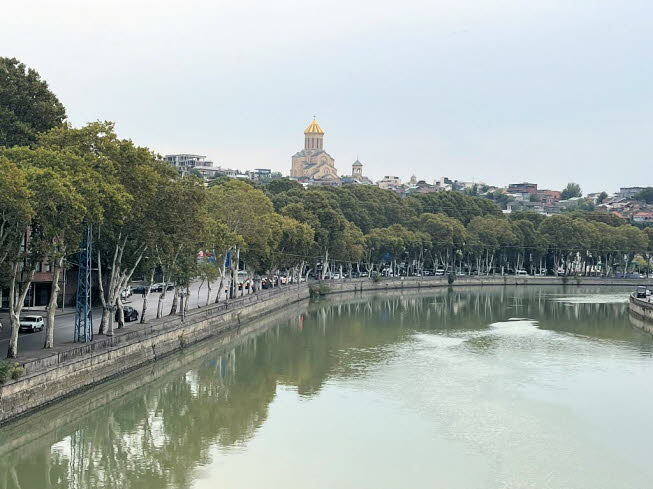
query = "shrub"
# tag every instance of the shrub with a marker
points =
(9, 370)
(451, 278)
(18, 372)
(318, 290)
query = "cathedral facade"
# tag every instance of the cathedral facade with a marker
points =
(313, 163)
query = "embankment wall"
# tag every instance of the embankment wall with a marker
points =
(71, 370)
(642, 309)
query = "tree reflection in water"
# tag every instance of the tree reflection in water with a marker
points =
(156, 427)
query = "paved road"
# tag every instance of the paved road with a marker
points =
(65, 322)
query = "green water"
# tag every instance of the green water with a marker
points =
(472, 389)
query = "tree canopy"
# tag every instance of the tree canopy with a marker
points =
(27, 106)
(570, 191)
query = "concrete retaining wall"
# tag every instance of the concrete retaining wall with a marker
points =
(360, 285)
(74, 369)
(643, 312)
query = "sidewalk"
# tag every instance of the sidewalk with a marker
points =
(31, 344)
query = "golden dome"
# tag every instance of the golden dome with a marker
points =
(314, 128)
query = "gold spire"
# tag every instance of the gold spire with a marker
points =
(314, 128)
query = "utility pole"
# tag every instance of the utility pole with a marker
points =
(83, 311)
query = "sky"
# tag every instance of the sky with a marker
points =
(493, 91)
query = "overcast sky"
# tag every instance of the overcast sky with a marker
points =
(487, 90)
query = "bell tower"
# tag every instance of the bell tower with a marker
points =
(357, 169)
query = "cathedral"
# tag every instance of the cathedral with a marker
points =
(313, 163)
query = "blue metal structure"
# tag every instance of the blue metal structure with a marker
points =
(83, 311)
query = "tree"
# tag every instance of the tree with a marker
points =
(66, 195)
(16, 212)
(570, 191)
(133, 177)
(246, 213)
(27, 106)
(500, 198)
(646, 195)
(602, 196)
(280, 185)
(15, 205)
(448, 236)
(490, 238)
(566, 238)
(181, 232)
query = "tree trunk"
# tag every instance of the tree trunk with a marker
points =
(199, 290)
(175, 301)
(16, 302)
(146, 296)
(52, 304)
(121, 313)
(162, 296)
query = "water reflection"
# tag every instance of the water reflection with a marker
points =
(158, 426)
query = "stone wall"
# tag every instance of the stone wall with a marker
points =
(71, 370)
(642, 310)
(361, 285)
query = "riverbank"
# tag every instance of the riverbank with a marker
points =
(71, 368)
(361, 285)
(55, 374)
(641, 311)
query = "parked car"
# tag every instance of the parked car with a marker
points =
(140, 289)
(126, 293)
(31, 323)
(364, 274)
(131, 314)
(522, 272)
(158, 287)
(439, 272)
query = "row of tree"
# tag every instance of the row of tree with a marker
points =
(56, 181)
(451, 230)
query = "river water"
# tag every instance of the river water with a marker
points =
(468, 388)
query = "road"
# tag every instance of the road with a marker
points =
(65, 321)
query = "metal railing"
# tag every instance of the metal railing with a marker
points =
(159, 326)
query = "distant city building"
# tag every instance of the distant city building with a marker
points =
(188, 162)
(422, 187)
(548, 196)
(629, 192)
(313, 163)
(522, 188)
(643, 217)
(444, 184)
(185, 162)
(388, 182)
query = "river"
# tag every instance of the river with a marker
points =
(471, 388)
